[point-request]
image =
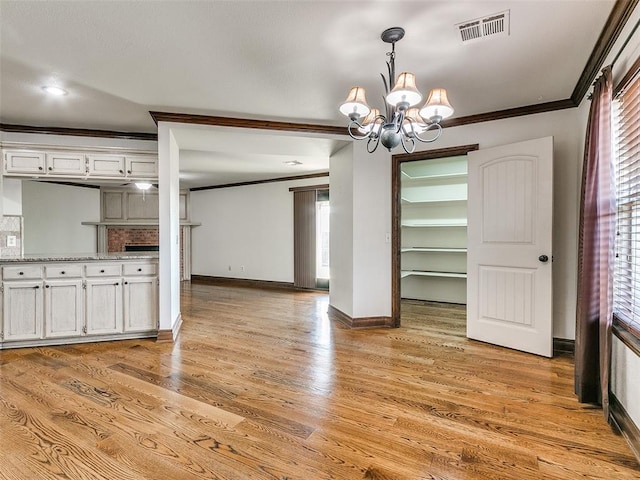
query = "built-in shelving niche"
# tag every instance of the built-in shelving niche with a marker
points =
(434, 230)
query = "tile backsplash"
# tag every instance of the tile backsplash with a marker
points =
(10, 226)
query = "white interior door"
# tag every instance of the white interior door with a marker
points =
(509, 296)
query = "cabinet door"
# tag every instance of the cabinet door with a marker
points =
(63, 313)
(142, 206)
(22, 310)
(104, 306)
(106, 165)
(23, 162)
(68, 164)
(140, 304)
(112, 206)
(142, 167)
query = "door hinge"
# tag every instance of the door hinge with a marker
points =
(84, 284)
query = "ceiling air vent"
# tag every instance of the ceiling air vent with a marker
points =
(489, 26)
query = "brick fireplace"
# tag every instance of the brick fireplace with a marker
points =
(119, 237)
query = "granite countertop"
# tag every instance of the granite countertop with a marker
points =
(78, 257)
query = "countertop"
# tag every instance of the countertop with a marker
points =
(78, 257)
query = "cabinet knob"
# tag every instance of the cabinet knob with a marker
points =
(126, 283)
(121, 171)
(36, 287)
(50, 168)
(116, 284)
(129, 172)
(101, 271)
(62, 272)
(39, 168)
(139, 269)
(20, 273)
(46, 286)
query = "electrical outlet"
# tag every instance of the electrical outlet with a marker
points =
(12, 241)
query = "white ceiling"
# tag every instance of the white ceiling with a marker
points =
(279, 60)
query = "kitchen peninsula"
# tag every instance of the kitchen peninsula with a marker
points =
(61, 299)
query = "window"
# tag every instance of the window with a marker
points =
(627, 158)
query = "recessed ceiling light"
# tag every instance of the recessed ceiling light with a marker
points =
(53, 90)
(293, 163)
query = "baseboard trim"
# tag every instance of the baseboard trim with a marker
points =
(248, 283)
(358, 322)
(564, 346)
(169, 335)
(625, 424)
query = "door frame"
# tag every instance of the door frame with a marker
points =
(396, 213)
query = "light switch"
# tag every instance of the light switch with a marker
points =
(11, 241)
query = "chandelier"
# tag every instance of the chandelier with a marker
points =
(403, 123)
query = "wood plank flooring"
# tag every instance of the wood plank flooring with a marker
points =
(261, 385)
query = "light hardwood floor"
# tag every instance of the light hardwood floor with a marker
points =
(261, 385)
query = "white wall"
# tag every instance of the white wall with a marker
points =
(247, 226)
(341, 230)
(625, 370)
(563, 125)
(12, 196)
(53, 215)
(371, 232)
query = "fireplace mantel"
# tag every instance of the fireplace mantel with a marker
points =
(138, 224)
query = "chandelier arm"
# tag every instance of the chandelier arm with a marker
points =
(408, 140)
(398, 119)
(375, 141)
(356, 124)
(429, 140)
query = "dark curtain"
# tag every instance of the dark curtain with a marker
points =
(596, 252)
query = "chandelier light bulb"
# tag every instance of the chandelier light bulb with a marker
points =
(437, 107)
(355, 104)
(405, 91)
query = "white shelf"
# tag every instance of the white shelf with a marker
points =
(421, 273)
(434, 249)
(444, 222)
(445, 176)
(406, 201)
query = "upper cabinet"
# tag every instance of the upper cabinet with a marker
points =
(89, 164)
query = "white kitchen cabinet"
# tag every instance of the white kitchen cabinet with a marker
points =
(24, 162)
(67, 164)
(86, 164)
(142, 206)
(22, 310)
(72, 301)
(106, 165)
(104, 305)
(142, 166)
(63, 300)
(63, 308)
(140, 304)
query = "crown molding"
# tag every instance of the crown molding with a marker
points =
(78, 132)
(246, 123)
(257, 182)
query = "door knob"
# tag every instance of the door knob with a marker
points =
(543, 258)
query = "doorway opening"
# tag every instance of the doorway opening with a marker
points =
(429, 227)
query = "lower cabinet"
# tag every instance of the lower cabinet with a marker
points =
(42, 304)
(140, 304)
(63, 308)
(104, 306)
(22, 310)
